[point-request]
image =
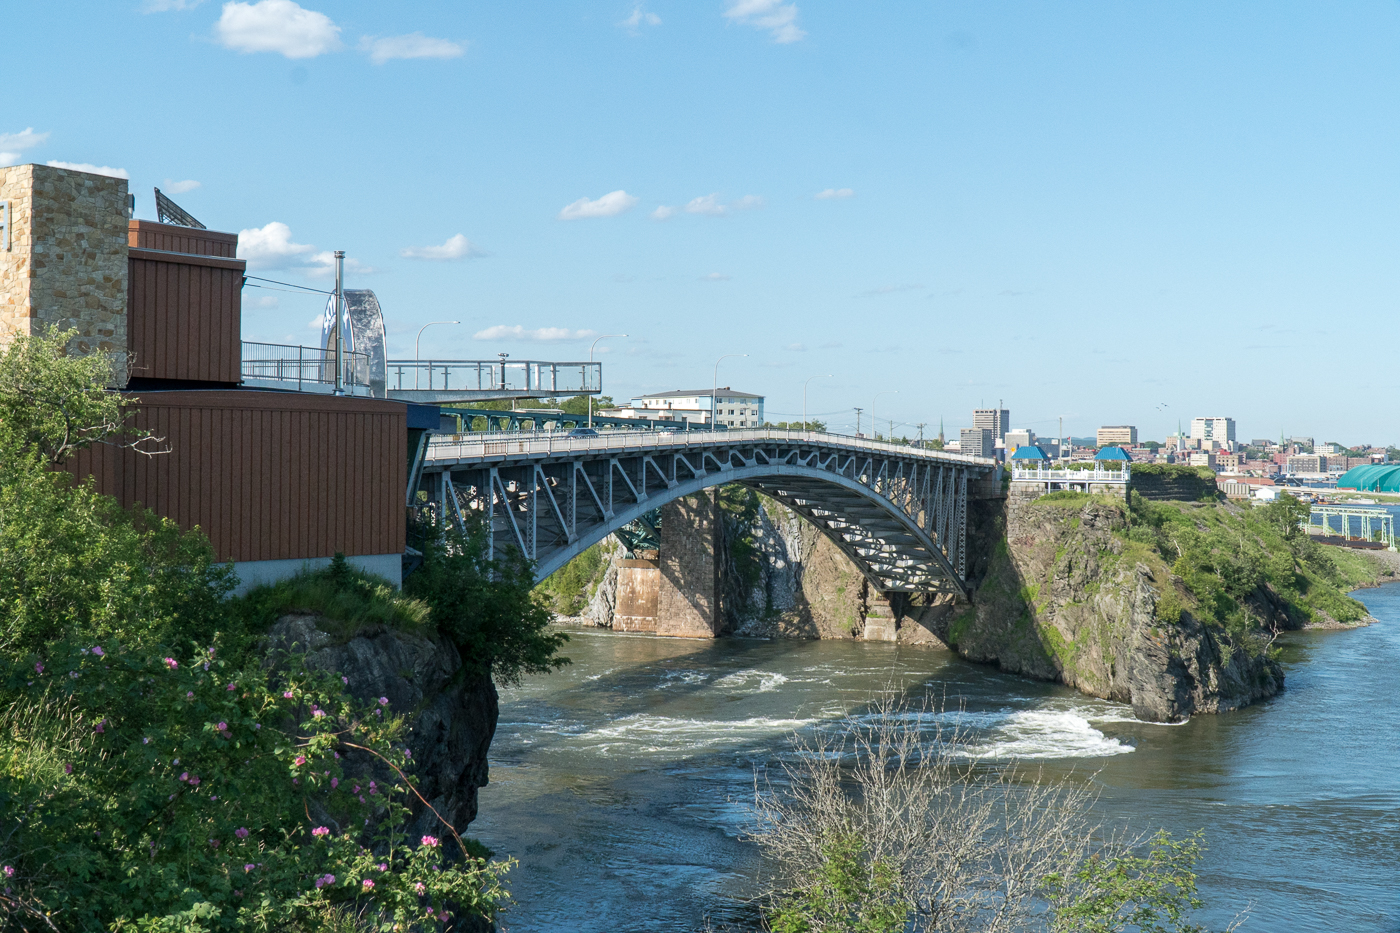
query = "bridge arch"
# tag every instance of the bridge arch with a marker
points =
(898, 513)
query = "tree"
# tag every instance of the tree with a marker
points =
(487, 606)
(886, 824)
(813, 425)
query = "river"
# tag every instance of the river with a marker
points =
(622, 783)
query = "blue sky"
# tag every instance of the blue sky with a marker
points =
(1111, 213)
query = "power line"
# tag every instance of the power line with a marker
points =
(271, 289)
(304, 288)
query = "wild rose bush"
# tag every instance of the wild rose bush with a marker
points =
(151, 791)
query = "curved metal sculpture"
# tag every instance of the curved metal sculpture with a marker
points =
(362, 330)
(899, 513)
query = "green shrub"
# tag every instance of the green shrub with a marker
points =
(347, 599)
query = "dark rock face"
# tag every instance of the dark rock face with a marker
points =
(1063, 599)
(451, 711)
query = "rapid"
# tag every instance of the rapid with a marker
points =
(624, 782)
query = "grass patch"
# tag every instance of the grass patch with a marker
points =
(349, 600)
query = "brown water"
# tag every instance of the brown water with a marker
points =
(622, 783)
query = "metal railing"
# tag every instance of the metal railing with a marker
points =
(540, 378)
(1040, 475)
(469, 447)
(303, 368)
(1352, 524)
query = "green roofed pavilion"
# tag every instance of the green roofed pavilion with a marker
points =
(1373, 477)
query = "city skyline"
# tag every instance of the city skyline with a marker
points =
(1112, 211)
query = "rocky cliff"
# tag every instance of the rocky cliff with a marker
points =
(1066, 597)
(451, 710)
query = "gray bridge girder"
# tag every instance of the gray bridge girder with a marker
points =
(899, 513)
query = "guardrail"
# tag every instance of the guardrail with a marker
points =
(465, 447)
(1067, 476)
(303, 368)
(540, 378)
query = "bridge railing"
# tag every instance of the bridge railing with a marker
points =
(465, 447)
(306, 369)
(538, 378)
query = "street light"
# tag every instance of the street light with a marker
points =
(600, 382)
(714, 403)
(804, 398)
(415, 348)
(875, 425)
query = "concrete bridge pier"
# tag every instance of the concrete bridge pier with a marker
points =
(676, 590)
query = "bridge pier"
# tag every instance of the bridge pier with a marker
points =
(689, 574)
(638, 591)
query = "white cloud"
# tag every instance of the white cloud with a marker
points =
(457, 247)
(8, 158)
(748, 202)
(796, 347)
(638, 19)
(259, 301)
(91, 169)
(829, 194)
(180, 187)
(21, 141)
(663, 212)
(888, 290)
(165, 6)
(609, 205)
(780, 19)
(271, 247)
(716, 277)
(544, 334)
(323, 266)
(708, 204)
(413, 45)
(277, 26)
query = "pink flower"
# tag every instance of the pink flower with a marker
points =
(368, 884)
(249, 867)
(194, 781)
(98, 727)
(232, 687)
(97, 650)
(189, 694)
(299, 760)
(335, 782)
(379, 712)
(145, 740)
(430, 841)
(241, 832)
(324, 880)
(185, 776)
(38, 668)
(320, 831)
(171, 663)
(214, 843)
(319, 713)
(383, 701)
(442, 915)
(362, 800)
(383, 866)
(356, 790)
(345, 680)
(222, 727)
(287, 695)
(419, 888)
(9, 871)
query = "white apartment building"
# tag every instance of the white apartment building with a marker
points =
(731, 407)
(1116, 435)
(1220, 430)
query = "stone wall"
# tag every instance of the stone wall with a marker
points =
(688, 601)
(67, 262)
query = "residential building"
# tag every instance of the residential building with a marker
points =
(1307, 463)
(1200, 458)
(732, 408)
(1227, 463)
(976, 441)
(1117, 435)
(1301, 442)
(1329, 449)
(1218, 429)
(995, 420)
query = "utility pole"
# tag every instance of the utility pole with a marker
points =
(600, 381)
(339, 322)
(858, 411)
(921, 433)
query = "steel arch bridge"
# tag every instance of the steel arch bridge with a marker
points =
(900, 513)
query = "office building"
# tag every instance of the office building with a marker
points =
(979, 442)
(996, 420)
(1218, 429)
(1116, 435)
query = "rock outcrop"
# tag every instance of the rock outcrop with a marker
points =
(451, 710)
(1065, 598)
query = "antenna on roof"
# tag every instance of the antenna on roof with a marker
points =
(168, 212)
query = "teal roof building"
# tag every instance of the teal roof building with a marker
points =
(1373, 477)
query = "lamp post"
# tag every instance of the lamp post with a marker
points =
(804, 398)
(714, 403)
(339, 322)
(600, 382)
(874, 425)
(415, 348)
